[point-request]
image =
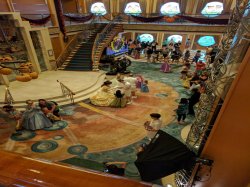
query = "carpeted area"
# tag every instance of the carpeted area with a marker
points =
(128, 154)
(90, 135)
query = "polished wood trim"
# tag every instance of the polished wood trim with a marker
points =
(20, 170)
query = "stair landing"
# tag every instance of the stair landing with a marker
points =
(84, 84)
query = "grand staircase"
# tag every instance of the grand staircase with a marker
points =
(103, 39)
(80, 57)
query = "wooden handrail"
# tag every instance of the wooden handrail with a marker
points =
(106, 43)
(72, 44)
(67, 92)
(23, 171)
(100, 38)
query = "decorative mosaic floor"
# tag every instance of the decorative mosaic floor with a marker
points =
(90, 135)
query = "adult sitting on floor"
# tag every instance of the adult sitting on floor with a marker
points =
(50, 109)
(104, 96)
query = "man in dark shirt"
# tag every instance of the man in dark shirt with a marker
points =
(49, 107)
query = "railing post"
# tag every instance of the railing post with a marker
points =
(67, 92)
(8, 97)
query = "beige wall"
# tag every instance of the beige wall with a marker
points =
(56, 46)
(229, 143)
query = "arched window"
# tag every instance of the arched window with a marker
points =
(133, 8)
(174, 39)
(98, 9)
(206, 41)
(170, 9)
(146, 38)
(212, 9)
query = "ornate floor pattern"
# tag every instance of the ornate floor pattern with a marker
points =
(89, 135)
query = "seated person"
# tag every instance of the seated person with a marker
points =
(144, 86)
(34, 118)
(104, 96)
(50, 109)
(186, 81)
(14, 114)
(119, 100)
(165, 67)
(184, 72)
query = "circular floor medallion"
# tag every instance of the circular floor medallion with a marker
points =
(44, 146)
(77, 149)
(58, 137)
(58, 125)
(23, 135)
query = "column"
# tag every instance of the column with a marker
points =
(53, 14)
(192, 37)
(30, 49)
(184, 39)
(133, 36)
(4, 79)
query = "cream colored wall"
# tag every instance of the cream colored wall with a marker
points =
(47, 48)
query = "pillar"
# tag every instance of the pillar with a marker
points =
(30, 48)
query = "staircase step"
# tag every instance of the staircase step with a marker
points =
(62, 100)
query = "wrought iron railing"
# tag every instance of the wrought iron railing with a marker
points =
(67, 92)
(103, 39)
(8, 99)
(231, 52)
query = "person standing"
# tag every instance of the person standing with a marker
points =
(154, 44)
(153, 126)
(149, 53)
(195, 98)
(182, 110)
(188, 43)
(132, 80)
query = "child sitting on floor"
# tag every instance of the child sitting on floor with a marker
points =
(144, 86)
(119, 101)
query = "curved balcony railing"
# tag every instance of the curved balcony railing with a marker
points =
(104, 38)
(220, 79)
(45, 19)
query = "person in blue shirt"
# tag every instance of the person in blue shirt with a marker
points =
(144, 86)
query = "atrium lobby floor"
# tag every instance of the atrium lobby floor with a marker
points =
(89, 135)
